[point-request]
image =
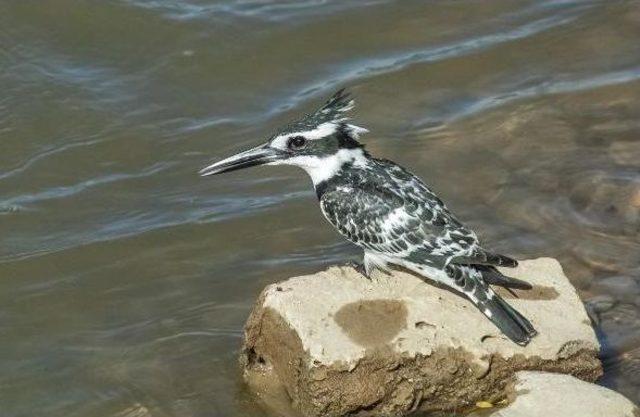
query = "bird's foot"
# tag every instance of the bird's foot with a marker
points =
(359, 267)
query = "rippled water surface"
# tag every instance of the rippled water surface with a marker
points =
(125, 279)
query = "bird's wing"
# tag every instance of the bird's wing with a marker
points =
(449, 237)
(416, 193)
(410, 223)
(460, 243)
(381, 220)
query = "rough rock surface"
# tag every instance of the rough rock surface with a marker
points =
(541, 394)
(339, 343)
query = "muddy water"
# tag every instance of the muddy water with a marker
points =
(125, 279)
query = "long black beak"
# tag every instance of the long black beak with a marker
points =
(260, 155)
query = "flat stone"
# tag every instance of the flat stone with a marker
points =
(339, 343)
(542, 394)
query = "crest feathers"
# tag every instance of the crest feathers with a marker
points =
(340, 102)
(331, 115)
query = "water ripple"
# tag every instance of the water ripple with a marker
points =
(271, 11)
(66, 191)
(360, 69)
(217, 209)
(546, 88)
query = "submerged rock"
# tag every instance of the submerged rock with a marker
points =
(541, 394)
(339, 343)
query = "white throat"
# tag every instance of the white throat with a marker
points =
(321, 169)
(327, 167)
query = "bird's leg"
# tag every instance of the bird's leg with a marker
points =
(359, 267)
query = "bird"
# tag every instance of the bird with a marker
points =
(387, 211)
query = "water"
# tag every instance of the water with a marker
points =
(125, 279)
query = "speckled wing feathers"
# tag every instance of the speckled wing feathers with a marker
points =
(403, 218)
(374, 219)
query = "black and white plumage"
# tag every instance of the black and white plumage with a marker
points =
(387, 211)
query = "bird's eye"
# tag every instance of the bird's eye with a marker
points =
(297, 142)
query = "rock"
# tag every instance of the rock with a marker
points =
(339, 343)
(542, 394)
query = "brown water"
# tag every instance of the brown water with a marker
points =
(125, 279)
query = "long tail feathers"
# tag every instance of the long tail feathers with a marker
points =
(514, 325)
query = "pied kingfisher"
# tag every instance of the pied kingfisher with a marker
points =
(387, 211)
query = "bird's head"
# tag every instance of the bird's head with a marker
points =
(320, 143)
